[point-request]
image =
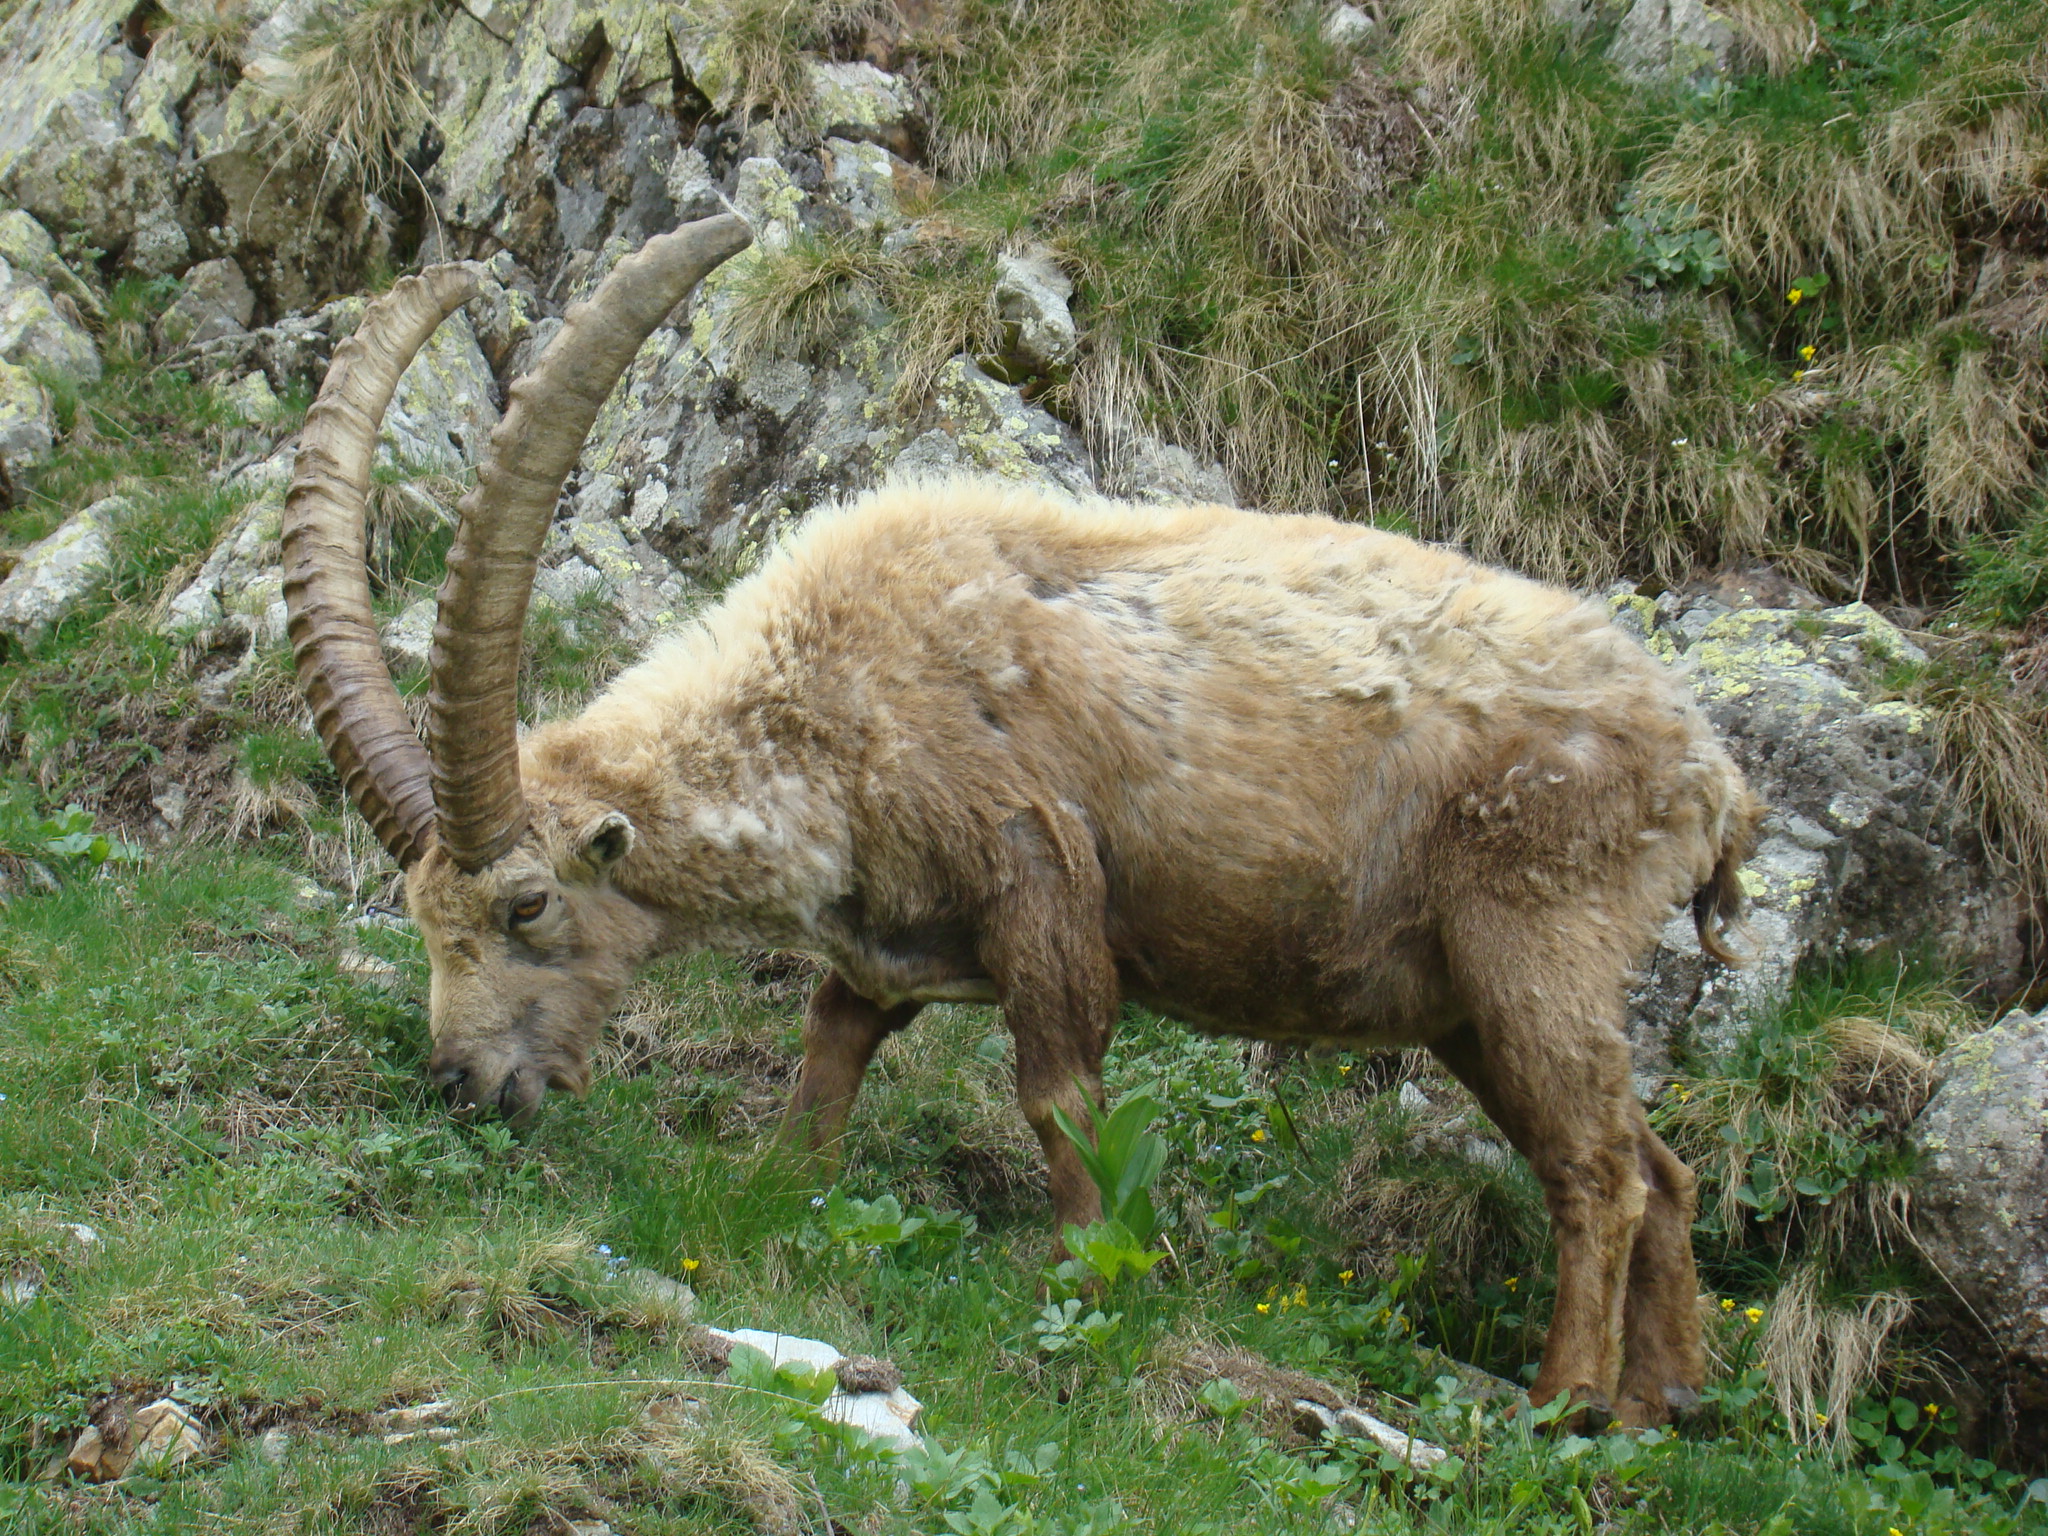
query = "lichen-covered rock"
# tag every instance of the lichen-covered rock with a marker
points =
(28, 248)
(1660, 39)
(35, 331)
(1980, 1197)
(56, 49)
(214, 302)
(56, 574)
(28, 427)
(299, 229)
(84, 171)
(1864, 848)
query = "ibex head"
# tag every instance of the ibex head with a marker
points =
(528, 935)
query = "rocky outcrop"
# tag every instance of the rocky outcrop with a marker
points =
(57, 574)
(1980, 1198)
(1865, 849)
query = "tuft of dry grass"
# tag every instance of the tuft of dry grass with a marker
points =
(1994, 744)
(354, 97)
(1822, 1355)
(214, 30)
(1436, 1181)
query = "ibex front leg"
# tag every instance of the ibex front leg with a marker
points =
(1044, 946)
(841, 1031)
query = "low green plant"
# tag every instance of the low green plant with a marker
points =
(1124, 1158)
(55, 842)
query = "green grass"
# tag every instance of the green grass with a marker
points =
(291, 1234)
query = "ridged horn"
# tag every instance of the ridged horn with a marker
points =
(472, 711)
(335, 644)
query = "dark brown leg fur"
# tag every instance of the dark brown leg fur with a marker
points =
(1544, 1054)
(841, 1031)
(1043, 945)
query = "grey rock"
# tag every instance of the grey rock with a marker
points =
(1980, 1196)
(84, 172)
(866, 180)
(216, 301)
(58, 573)
(36, 332)
(409, 638)
(28, 425)
(1658, 40)
(1864, 849)
(1347, 26)
(1155, 471)
(1031, 296)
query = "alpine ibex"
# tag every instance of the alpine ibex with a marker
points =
(1279, 777)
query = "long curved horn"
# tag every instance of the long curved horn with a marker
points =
(340, 662)
(473, 716)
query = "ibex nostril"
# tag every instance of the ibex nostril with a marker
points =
(452, 1081)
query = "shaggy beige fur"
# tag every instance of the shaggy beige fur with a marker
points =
(1274, 776)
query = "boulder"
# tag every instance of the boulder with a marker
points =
(85, 173)
(1864, 850)
(215, 301)
(1031, 296)
(40, 331)
(28, 248)
(58, 573)
(1659, 40)
(28, 427)
(1980, 1196)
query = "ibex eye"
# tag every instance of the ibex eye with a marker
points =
(529, 906)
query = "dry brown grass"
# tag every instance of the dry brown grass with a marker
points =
(1995, 748)
(354, 99)
(1821, 1355)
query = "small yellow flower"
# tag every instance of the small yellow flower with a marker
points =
(1346, 1274)
(1795, 295)
(1301, 1295)
(1685, 1095)
(1754, 1314)
(1265, 1306)
(1512, 1282)
(690, 1266)
(1259, 1134)
(1893, 1530)
(1933, 1408)
(1727, 1304)
(1343, 1066)
(1821, 1419)
(1807, 353)
(1798, 374)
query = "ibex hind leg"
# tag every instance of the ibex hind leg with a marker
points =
(842, 1030)
(1543, 1051)
(1665, 1363)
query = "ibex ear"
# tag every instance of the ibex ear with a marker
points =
(609, 840)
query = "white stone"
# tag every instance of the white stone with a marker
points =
(1347, 26)
(1032, 294)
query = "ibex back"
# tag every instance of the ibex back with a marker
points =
(1274, 776)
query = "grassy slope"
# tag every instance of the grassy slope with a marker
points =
(292, 1236)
